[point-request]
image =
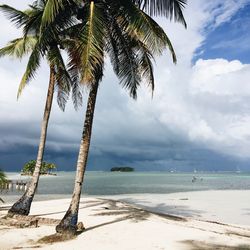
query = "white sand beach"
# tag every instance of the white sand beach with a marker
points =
(206, 220)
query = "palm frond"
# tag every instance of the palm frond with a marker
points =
(77, 90)
(142, 26)
(52, 8)
(146, 66)
(90, 45)
(172, 9)
(124, 60)
(16, 16)
(32, 66)
(73, 67)
(32, 24)
(62, 77)
(19, 47)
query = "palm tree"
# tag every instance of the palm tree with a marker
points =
(131, 38)
(39, 45)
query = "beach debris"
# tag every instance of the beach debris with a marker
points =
(80, 227)
(57, 237)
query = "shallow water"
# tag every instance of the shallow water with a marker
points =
(114, 183)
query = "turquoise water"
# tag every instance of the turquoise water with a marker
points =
(114, 183)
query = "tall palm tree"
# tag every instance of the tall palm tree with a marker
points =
(39, 45)
(131, 38)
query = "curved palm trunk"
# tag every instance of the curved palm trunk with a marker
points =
(22, 206)
(69, 222)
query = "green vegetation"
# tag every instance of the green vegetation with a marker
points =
(46, 168)
(122, 169)
(3, 178)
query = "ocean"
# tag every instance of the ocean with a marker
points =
(117, 183)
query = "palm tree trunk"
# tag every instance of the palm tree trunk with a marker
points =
(69, 222)
(22, 206)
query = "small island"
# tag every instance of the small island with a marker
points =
(122, 169)
(46, 168)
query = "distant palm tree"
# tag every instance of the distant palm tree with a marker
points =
(131, 38)
(38, 45)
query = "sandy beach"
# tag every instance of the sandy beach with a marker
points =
(192, 220)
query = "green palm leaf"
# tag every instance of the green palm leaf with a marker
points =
(32, 66)
(124, 59)
(141, 25)
(19, 47)
(91, 43)
(146, 66)
(52, 8)
(16, 16)
(62, 78)
(172, 9)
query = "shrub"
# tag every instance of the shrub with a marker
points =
(29, 167)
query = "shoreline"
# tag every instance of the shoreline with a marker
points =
(113, 223)
(225, 206)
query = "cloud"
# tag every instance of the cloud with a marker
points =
(222, 11)
(198, 116)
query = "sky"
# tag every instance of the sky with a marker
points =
(199, 117)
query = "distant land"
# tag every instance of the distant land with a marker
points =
(122, 169)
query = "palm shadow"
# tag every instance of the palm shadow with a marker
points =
(124, 211)
(163, 209)
(4, 208)
(199, 245)
(109, 208)
(89, 204)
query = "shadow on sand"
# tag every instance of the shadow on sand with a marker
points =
(198, 245)
(162, 208)
(108, 208)
(105, 207)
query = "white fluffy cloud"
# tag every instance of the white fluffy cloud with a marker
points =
(213, 108)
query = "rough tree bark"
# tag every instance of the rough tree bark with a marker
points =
(68, 224)
(22, 206)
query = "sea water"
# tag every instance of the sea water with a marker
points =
(116, 183)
